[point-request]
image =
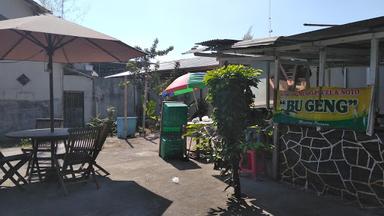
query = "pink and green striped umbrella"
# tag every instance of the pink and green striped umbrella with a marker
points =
(184, 84)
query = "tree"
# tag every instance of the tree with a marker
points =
(231, 97)
(147, 64)
(67, 9)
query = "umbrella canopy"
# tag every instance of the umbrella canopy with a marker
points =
(52, 39)
(31, 38)
(122, 74)
(184, 84)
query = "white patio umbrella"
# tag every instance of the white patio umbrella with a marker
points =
(52, 39)
(125, 75)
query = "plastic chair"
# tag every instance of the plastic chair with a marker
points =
(249, 166)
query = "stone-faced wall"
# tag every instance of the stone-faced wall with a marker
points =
(341, 162)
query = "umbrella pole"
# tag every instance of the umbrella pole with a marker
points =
(51, 112)
(125, 105)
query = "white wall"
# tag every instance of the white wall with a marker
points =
(81, 84)
(37, 89)
(15, 9)
(260, 92)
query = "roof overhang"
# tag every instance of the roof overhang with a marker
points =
(347, 44)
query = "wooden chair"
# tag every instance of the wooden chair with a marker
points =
(46, 123)
(103, 134)
(10, 170)
(42, 158)
(81, 150)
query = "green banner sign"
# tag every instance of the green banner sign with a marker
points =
(325, 106)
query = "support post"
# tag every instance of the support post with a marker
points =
(94, 112)
(276, 82)
(374, 82)
(125, 104)
(322, 60)
(345, 77)
(275, 154)
(145, 100)
(268, 85)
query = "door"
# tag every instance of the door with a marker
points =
(73, 109)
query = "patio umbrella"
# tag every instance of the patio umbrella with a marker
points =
(184, 84)
(52, 39)
(125, 75)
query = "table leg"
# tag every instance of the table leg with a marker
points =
(59, 175)
(52, 153)
(34, 160)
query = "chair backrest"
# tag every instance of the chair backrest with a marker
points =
(103, 134)
(46, 123)
(83, 140)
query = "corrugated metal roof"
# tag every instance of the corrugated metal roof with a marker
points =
(256, 42)
(216, 42)
(197, 49)
(196, 62)
(353, 28)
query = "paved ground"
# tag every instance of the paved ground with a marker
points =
(141, 184)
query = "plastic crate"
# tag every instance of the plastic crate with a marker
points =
(172, 148)
(175, 114)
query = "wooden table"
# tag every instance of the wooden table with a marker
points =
(43, 135)
(40, 134)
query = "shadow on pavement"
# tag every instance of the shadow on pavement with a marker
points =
(267, 197)
(184, 165)
(238, 207)
(113, 198)
(152, 139)
(130, 144)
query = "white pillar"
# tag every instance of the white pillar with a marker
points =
(373, 81)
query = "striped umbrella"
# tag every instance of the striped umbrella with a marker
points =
(184, 84)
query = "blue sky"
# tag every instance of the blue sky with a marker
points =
(182, 23)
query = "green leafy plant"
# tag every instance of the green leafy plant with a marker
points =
(98, 121)
(25, 143)
(231, 97)
(151, 110)
(202, 138)
(254, 143)
(151, 115)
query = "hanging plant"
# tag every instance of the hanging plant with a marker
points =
(231, 97)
